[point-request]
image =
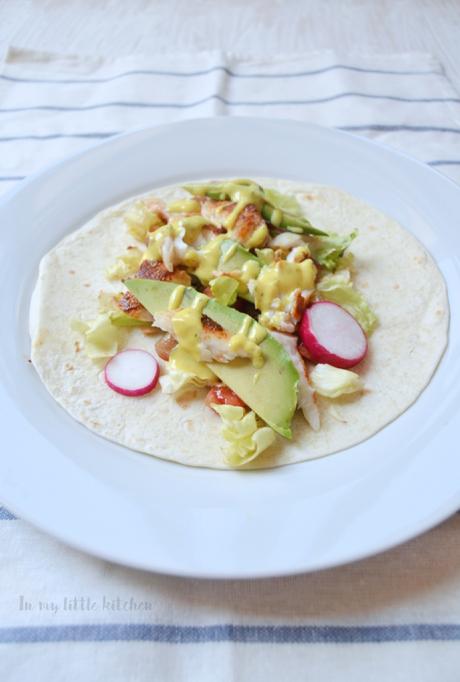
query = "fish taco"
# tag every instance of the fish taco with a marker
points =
(238, 323)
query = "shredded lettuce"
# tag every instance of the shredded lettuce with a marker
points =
(140, 220)
(283, 201)
(224, 289)
(107, 302)
(332, 382)
(183, 371)
(184, 206)
(102, 338)
(338, 288)
(174, 380)
(346, 262)
(328, 250)
(245, 440)
(266, 256)
(125, 265)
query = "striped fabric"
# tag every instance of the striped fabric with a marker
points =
(67, 616)
(52, 106)
(243, 634)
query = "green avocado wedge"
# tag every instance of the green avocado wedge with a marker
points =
(270, 391)
(234, 256)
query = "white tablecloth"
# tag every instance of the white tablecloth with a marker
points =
(66, 616)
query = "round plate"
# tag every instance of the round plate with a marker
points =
(143, 512)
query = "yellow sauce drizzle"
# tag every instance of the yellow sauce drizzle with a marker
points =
(246, 340)
(257, 333)
(156, 241)
(185, 206)
(187, 326)
(250, 270)
(192, 224)
(233, 217)
(176, 297)
(278, 280)
(181, 360)
(208, 258)
(243, 197)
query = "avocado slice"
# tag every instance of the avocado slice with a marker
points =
(271, 391)
(234, 256)
(229, 256)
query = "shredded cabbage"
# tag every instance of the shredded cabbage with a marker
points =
(245, 440)
(182, 371)
(174, 380)
(328, 250)
(102, 338)
(283, 201)
(346, 262)
(266, 256)
(224, 289)
(332, 382)
(338, 288)
(184, 206)
(125, 265)
(140, 220)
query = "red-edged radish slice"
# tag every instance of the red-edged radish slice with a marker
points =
(132, 372)
(331, 335)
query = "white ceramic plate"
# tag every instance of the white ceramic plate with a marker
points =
(144, 512)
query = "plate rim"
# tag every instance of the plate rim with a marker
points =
(444, 510)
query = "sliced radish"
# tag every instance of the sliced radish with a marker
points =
(331, 335)
(132, 372)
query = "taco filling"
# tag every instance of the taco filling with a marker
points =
(249, 307)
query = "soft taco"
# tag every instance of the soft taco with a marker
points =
(285, 322)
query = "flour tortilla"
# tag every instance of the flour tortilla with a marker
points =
(397, 276)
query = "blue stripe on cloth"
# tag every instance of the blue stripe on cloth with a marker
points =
(235, 103)
(57, 136)
(247, 634)
(212, 69)
(10, 178)
(382, 127)
(444, 162)
(5, 515)
(377, 127)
